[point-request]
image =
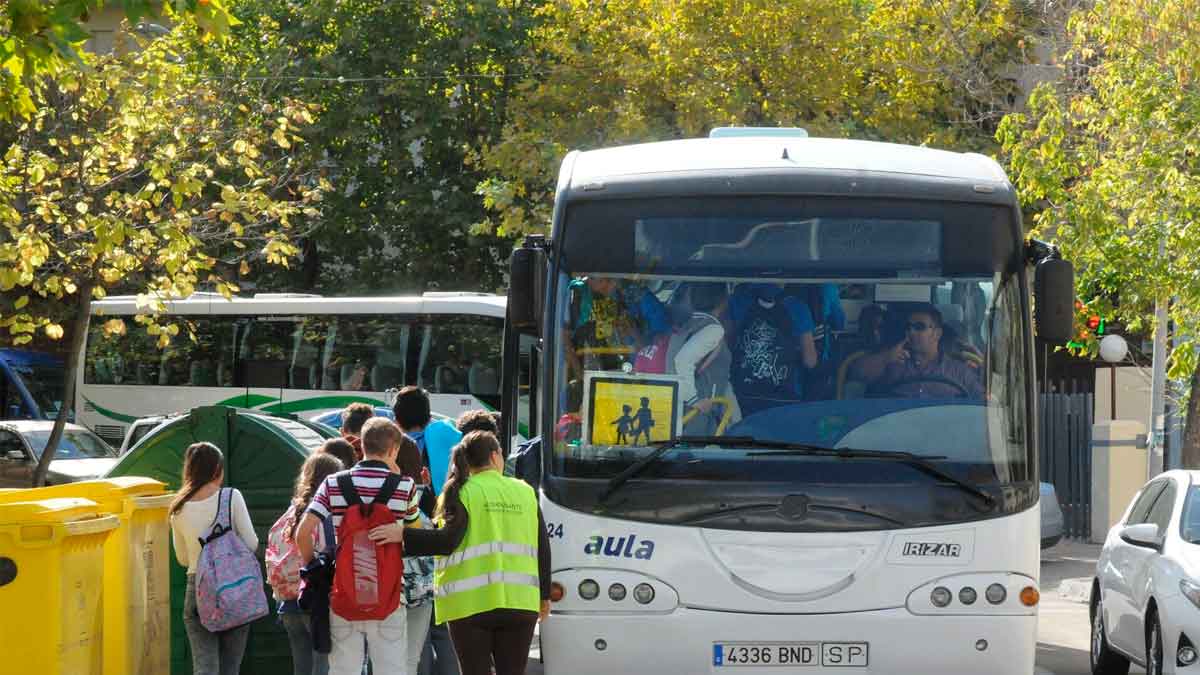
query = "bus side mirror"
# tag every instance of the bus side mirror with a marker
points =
(525, 288)
(1054, 300)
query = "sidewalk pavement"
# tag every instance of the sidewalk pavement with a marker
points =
(1067, 570)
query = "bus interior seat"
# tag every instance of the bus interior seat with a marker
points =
(202, 374)
(298, 377)
(384, 377)
(847, 388)
(446, 382)
(345, 375)
(483, 379)
(330, 381)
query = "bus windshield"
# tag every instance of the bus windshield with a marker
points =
(778, 331)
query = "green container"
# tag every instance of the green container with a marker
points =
(263, 454)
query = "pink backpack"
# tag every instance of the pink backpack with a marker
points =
(653, 357)
(229, 583)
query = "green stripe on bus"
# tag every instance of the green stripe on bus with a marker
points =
(247, 400)
(109, 413)
(319, 403)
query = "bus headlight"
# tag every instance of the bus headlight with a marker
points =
(964, 595)
(941, 596)
(967, 595)
(611, 590)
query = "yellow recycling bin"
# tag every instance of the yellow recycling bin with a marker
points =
(51, 570)
(136, 601)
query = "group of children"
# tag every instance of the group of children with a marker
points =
(371, 613)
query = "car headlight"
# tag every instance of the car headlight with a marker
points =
(1191, 591)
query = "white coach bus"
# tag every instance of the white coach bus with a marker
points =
(292, 353)
(834, 468)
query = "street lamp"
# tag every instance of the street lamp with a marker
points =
(1113, 349)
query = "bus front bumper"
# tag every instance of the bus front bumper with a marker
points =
(683, 642)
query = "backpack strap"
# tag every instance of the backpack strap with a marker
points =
(345, 483)
(330, 535)
(387, 489)
(222, 521)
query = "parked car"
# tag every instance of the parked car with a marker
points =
(1052, 516)
(138, 429)
(81, 454)
(1145, 604)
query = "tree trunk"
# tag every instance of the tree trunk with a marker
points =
(79, 329)
(1191, 427)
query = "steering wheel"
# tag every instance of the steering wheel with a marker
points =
(890, 388)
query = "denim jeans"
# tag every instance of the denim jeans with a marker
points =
(438, 657)
(212, 653)
(305, 661)
(418, 632)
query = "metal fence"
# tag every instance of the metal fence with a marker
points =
(1066, 457)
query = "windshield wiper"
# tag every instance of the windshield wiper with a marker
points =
(663, 448)
(921, 463)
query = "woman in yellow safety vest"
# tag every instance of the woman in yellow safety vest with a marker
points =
(492, 580)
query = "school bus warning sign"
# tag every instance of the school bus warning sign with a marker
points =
(630, 409)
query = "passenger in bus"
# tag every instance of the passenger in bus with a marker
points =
(772, 344)
(926, 364)
(610, 316)
(696, 351)
(451, 376)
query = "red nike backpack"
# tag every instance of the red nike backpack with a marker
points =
(368, 578)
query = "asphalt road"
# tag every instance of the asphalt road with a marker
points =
(1063, 630)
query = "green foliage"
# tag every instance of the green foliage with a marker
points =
(1110, 159)
(408, 94)
(41, 41)
(624, 71)
(144, 175)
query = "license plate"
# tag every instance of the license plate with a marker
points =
(790, 654)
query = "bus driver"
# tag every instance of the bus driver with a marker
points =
(920, 366)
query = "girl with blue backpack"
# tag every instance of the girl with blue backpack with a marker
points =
(215, 540)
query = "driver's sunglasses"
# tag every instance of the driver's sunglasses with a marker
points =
(918, 326)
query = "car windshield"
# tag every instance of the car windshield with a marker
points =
(814, 326)
(74, 444)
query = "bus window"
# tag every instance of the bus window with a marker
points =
(461, 356)
(265, 351)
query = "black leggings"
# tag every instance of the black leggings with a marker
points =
(501, 635)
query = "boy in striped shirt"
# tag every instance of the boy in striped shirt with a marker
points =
(381, 440)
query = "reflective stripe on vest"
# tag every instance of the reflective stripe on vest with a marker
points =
(482, 580)
(486, 549)
(495, 566)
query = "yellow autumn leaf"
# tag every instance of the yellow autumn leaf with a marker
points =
(244, 268)
(81, 207)
(53, 331)
(21, 302)
(114, 327)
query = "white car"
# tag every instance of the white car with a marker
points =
(1146, 595)
(81, 454)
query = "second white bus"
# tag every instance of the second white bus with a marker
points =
(291, 353)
